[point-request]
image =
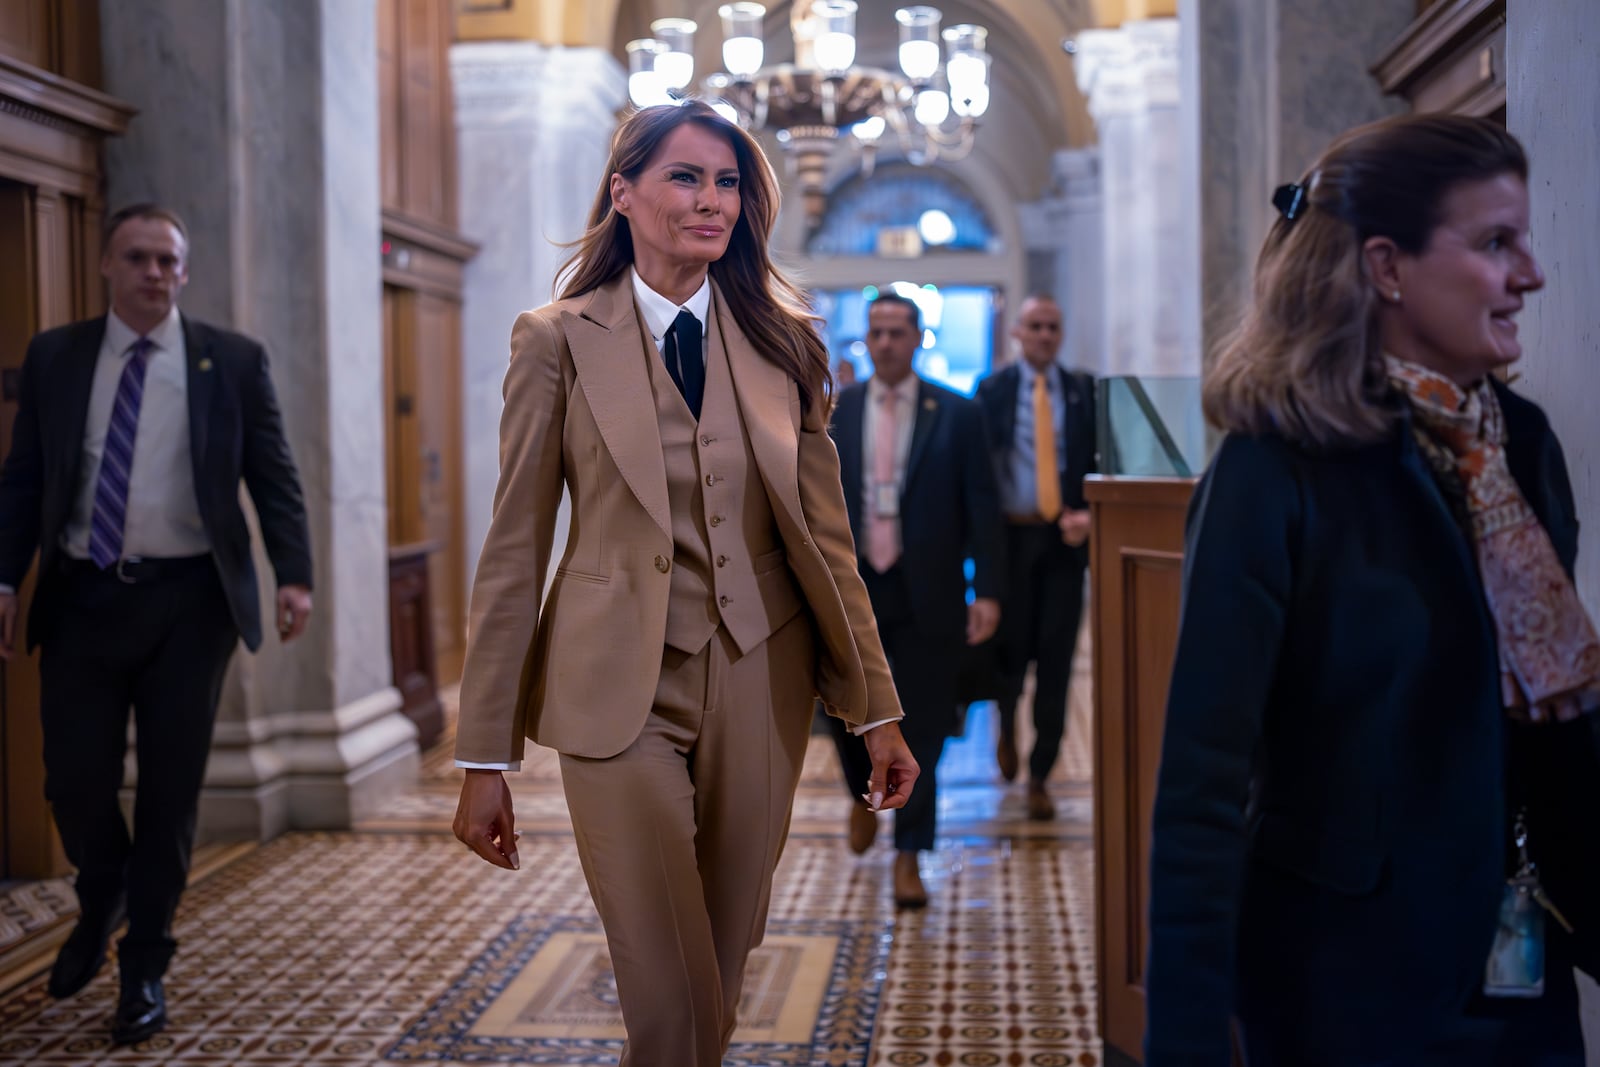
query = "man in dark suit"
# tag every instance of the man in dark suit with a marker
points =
(133, 432)
(1041, 417)
(921, 494)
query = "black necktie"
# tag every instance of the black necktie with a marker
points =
(687, 366)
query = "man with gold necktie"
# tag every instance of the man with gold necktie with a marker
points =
(1041, 419)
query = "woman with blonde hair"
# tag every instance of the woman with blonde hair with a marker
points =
(1374, 831)
(678, 390)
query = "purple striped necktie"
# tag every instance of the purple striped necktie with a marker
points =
(116, 461)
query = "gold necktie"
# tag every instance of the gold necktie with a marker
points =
(1047, 479)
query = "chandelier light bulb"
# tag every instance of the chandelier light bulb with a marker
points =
(971, 104)
(675, 55)
(868, 130)
(742, 48)
(645, 87)
(726, 110)
(835, 47)
(919, 41)
(967, 71)
(933, 107)
(919, 59)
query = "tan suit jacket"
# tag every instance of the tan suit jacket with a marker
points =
(579, 411)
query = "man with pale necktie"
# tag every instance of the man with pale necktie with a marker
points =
(920, 489)
(1042, 418)
(133, 432)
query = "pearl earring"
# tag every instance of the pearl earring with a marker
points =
(1395, 296)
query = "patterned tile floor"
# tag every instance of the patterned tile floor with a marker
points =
(387, 945)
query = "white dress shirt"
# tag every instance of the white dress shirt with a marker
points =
(904, 398)
(659, 312)
(163, 516)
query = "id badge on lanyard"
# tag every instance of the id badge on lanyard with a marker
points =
(886, 501)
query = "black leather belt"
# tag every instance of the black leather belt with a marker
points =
(138, 570)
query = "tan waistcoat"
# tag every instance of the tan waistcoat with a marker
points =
(728, 560)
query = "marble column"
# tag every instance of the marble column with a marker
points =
(1269, 84)
(1550, 48)
(533, 125)
(1130, 77)
(259, 124)
(1063, 230)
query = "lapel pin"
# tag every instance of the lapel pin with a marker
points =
(930, 403)
(205, 364)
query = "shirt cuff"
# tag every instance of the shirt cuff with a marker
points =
(514, 765)
(874, 724)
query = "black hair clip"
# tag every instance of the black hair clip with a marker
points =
(1290, 200)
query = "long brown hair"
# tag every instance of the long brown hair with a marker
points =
(772, 311)
(1307, 361)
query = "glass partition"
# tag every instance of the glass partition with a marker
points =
(1152, 427)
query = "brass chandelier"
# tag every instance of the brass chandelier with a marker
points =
(822, 100)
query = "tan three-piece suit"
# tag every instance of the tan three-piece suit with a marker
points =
(709, 590)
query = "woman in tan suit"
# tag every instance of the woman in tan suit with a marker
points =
(678, 390)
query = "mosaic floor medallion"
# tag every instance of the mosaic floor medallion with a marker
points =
(544, 993)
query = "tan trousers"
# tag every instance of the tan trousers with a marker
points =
(679, 835)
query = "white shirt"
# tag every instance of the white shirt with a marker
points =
(163, 516)
(905, 401)
(659, 312)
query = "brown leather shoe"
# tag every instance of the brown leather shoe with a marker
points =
(908, 888)
(863, 827)
(1005, 754)
(1040, 807)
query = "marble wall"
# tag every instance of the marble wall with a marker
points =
(533, 127)
(259, 124)
(1553, 49)
(1276, 81)
(1065, 229)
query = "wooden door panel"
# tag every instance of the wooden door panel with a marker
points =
(1136, 575)
(438, 393)
(25, 31)
(28, 844)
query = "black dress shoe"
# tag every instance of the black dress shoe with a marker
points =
(141, 1011)
(82, 954)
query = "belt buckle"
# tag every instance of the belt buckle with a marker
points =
(122, 576)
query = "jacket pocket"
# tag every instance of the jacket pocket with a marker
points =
(566, 574)
(1330, 860)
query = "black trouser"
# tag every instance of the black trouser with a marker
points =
(924, 670)
(1039, 619)
(161, 646)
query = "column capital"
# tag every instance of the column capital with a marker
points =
(1108, 74)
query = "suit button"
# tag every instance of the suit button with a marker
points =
(722, 561)
(711, 479)
(716, 520)
(724, 601)
(706, 439)
(663, 564)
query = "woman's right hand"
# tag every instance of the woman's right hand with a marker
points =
(483, 818)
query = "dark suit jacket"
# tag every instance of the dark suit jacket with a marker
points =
(998, 395)
(949, 506)
(1331, 809)
(235, 432)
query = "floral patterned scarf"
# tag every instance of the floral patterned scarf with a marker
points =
(1549, 651)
